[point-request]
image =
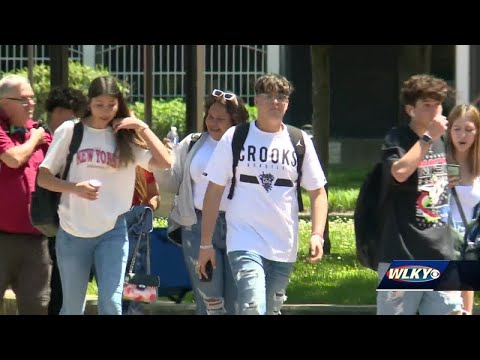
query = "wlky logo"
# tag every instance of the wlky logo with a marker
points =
(413, 274)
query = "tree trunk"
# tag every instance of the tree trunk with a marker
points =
(412, 59)
(321, 110)
(58, 65)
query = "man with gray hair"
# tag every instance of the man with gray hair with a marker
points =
(25, 263)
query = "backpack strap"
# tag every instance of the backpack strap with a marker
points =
(460, 207)
(476, 212)
(296, 137)
(195, 137)
(239, 136)
(74, 146)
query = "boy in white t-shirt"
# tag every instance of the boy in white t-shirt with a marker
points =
(262, 217)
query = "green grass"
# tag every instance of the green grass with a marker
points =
(339, 200)
(343, 186)
(92, 288)
(341, 177)
(338, 278)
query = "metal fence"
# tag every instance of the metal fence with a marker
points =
(235, 68)
(227, 67)
(14, 57)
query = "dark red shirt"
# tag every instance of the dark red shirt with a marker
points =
(17, 185)
(150, 180)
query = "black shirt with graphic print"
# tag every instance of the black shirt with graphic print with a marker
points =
(416, 211)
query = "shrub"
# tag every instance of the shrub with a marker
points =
(172, 113)
(252, 111)
(164, 115)
(79, 77)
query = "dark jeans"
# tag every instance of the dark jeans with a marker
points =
(56, 294)
(25, 265)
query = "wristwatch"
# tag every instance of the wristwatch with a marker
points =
(427, 139)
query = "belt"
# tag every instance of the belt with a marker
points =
(200, 211)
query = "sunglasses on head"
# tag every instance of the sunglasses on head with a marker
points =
(226, 95)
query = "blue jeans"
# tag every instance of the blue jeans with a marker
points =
(75, 256)
(216, 297)
(261, 283)
(135, 224)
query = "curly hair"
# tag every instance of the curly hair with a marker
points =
(66, 98)
(423, 87)
(273, 83)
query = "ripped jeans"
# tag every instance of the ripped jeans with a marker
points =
(261, 283)
(216, 297)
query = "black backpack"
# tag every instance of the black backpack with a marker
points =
(44, 203)
(195, 137)
(368, 218)
(240, 135)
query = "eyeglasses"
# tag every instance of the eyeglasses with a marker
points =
(280, 97)
(25, 101)
(226, 95)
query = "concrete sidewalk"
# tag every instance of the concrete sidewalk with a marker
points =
(169, 308)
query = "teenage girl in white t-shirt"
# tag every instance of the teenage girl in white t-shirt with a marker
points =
(186, 178)
(92, 219)
(463, 147)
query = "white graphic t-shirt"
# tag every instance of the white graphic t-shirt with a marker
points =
(197, 171)
(263, 214)
(95, 159)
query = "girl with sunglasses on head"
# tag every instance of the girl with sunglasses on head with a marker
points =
(215, 295)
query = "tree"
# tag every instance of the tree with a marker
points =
(320, 57)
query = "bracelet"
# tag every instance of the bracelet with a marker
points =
(320, 235)
(206, 247)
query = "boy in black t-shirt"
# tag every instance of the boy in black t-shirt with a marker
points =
(416, 208)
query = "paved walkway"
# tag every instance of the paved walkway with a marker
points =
(170, 308)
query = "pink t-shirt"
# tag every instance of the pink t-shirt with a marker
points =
(16, 185)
